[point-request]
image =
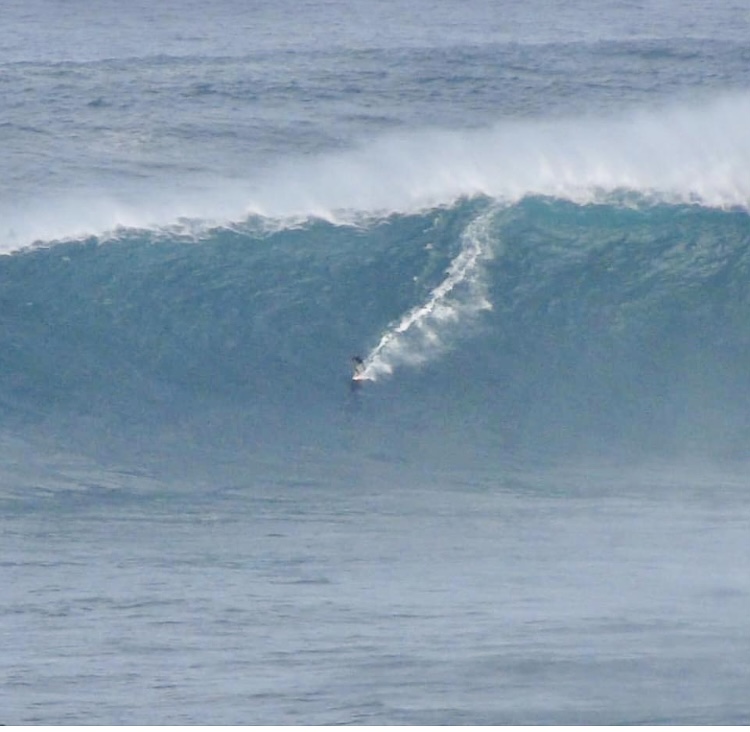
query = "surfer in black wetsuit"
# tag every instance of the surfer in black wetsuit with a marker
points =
(358, 366)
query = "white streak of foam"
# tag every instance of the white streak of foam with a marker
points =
(425, 331)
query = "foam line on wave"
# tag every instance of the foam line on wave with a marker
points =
(427, 329)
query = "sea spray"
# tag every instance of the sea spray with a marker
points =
(678, 153)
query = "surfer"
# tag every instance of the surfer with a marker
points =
(358, 368)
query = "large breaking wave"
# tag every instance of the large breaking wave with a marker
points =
(543, 322)
(549, 285)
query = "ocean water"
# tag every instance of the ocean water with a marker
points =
(529, 218)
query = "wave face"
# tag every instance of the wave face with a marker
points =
(544, 324)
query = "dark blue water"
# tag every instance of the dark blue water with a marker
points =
(532, 226)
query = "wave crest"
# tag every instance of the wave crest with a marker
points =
(683, 153)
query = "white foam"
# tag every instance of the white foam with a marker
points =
(427, 330)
